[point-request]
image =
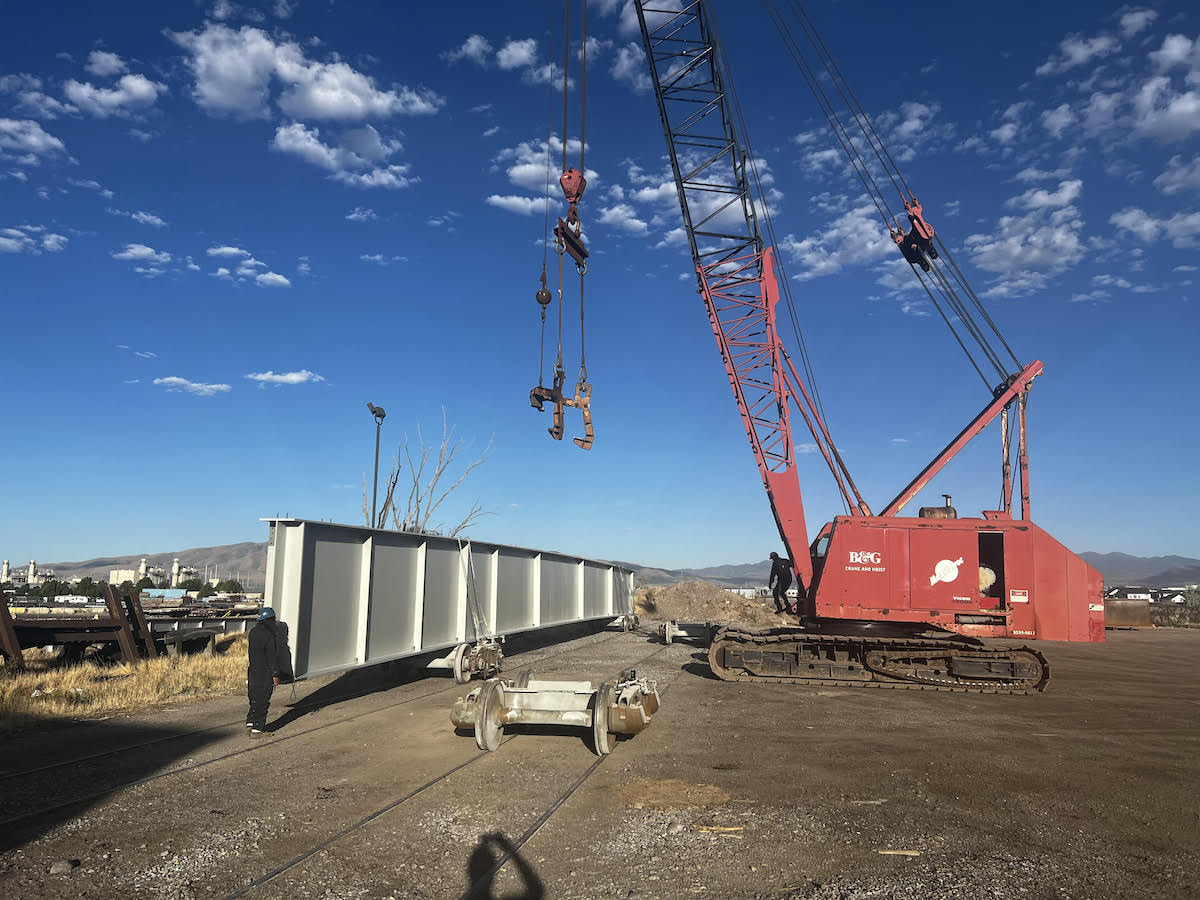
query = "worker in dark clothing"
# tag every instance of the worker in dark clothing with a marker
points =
(780, 581)
(270, 664)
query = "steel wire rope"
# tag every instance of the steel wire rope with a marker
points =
(275, 742)
(583, 174)
(967, 319)
(546, 228)
(878, 145)
(370, 817)
(559, 246)
(831, 117)
(962, 279)
(949, 325)
(840, 79)
(835, 74)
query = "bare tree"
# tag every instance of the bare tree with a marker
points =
(429, 484)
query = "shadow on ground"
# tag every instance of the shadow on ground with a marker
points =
(489, 855)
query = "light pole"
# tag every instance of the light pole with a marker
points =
(380, 415)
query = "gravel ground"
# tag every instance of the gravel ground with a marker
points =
(757, 791)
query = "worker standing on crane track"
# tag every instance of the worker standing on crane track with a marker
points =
(779, 582)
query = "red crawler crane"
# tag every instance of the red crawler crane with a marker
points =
(884, 600)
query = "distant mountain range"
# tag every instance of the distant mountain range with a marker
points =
(1145, 571)
(248, 560)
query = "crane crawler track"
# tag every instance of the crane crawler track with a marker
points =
(798, 656)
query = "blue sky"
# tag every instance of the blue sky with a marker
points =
(225, 228)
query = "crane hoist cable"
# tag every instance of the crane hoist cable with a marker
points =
(568, 241)
(917, 245)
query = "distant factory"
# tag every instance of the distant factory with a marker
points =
(157, 574)
(30, 575)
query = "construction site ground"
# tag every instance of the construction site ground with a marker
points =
(363, 789)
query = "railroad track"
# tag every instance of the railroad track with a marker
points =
(253, 748)
(481, 886)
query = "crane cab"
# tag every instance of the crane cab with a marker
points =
(984, 577)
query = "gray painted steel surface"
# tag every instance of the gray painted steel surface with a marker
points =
(354, 596)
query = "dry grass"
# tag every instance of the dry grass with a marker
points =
(49, 692)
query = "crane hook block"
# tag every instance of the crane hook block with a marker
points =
(569, 239)
(572, 183)
(543, 297)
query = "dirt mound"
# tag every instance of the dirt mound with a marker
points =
(699, 601)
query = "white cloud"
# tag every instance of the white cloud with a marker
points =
(1182, 229)
(910, 129)
(1039, 198)
(1179, 176)
(175, 384)
(1058, 120)
(1076, 51)
(853, 238)
(476, 48)
(1133, 22)
(92, 185)
(1163, 113)
(227, 252)
(381, 260)
(271, 279)
(31, 239)
(234, 71)
(629, 66)
(30, 99)
(1176, 50)
(526, 163)
(22, 81)
(523, 205)
(1033, 173)
(132, 93)
(361, 214)
(144, 218)
(1026, 251)
(624, 217)
(103, 64)
(142, 253)
(359, 160)
(302, 377)
(27, 138)
(517, 54)
(1006, 133)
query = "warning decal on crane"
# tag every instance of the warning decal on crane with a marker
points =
(1018, 596)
